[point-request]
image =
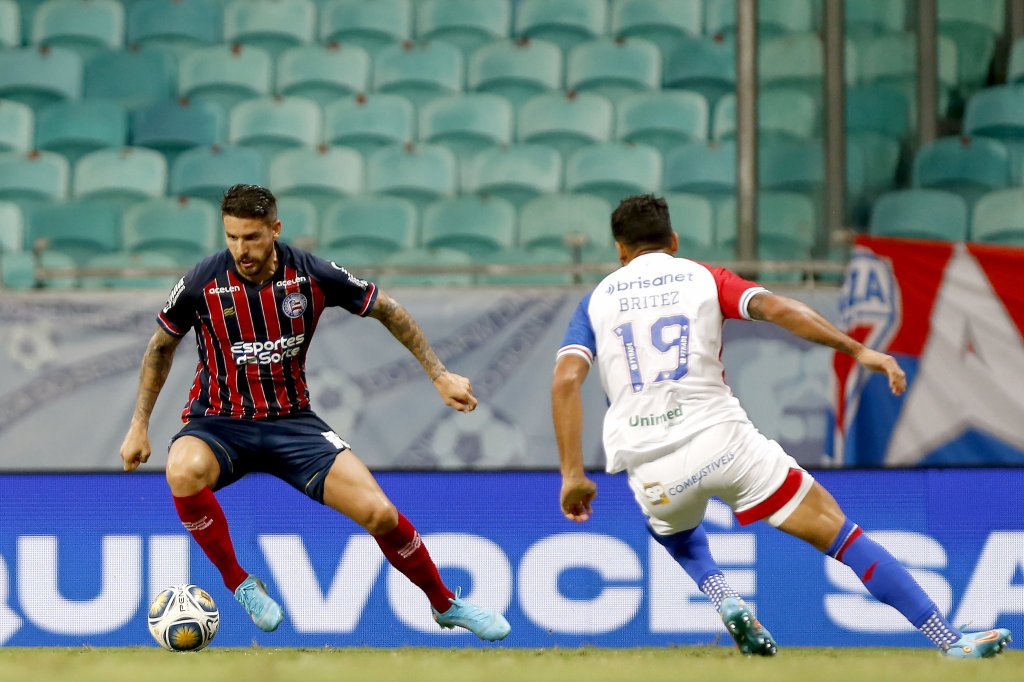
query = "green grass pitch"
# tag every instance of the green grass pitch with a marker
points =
(714, 664)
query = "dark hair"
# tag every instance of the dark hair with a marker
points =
(642, 220)
(249, 201)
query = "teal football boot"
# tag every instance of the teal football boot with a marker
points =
(751, 637)
(484, 623)
(264, 611)
(980, 644)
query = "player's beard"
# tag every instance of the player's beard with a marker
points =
(251, 267)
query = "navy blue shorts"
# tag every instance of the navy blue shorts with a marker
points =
(299, 449)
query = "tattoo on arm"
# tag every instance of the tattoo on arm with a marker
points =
(399, 322)
(156, 364)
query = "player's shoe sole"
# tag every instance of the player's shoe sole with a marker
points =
(486, 624)
(980, 644)
(264, 611)
(751, 637)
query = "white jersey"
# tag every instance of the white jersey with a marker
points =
(655, 328)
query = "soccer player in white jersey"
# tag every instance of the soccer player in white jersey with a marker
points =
(654, 326)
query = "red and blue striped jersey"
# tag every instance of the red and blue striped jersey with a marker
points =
(252, 339)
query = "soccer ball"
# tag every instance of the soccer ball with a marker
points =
(183, 618)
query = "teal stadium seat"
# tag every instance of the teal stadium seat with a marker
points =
(974, 27)
(172, 126)
(12, 228)
(701, 168)
(321, 175)
(704, 65)
(774, 18)
(467, 24)
(37, 76)
(875, 109)
(182, 228)
(175, 26)
(271, 25)
(663, 23)
(370, 25)
(549, 221)
(662, 119)
(881, 159)
(79, 229)
(16, 126)
(785, 220)
(420, 173)
(516, 173)
(865, 18)
(85, 26)
(272, 124)
(135, 78)
(566, 23)
(614, 170)
(300, 222)
(614, 67)
(74, 129)
(33, 177)
(1015, 68)
(121, 174)
(516, 69)
(998, 113)
(566, 121)
(968, 166)
(420, 72)
(323, 73)
(477, 225)
(225, 74)
(800, 167)
(424, 257)
(207, 172)
(920, 214)
(550, 267)
(10, 24)
(693, 220)
(135, 271)
(798, 61)
(468, 123)
(781, 115)
(367, 123)
(376, 224)
(999, 218)
(19, 271)
(890, 60)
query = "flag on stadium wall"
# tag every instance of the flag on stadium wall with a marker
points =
(953, 316)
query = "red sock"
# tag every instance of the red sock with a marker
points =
(204, 519)
(406, 552)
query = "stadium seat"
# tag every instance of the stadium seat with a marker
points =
(662, 119)
(370, 25)
(566, 23)
(207, 172)
(707, 66)
(997, 113)
(467, 124)
(662, 23)
(323, 73)
(773, 18)
(968, 166)
(16, 126)
(176, 27)
(798, 61)
(551, 267)
(890, 60)
(865, 18)
(781, 115)
(73, 129)
(477, 225)
(517, 70)
(874, 109)
(792, 166)
(271, 25)
(999, 218)
(378, 224)
(321, 174)
(420, 72)
(921, 214)
(368, 122)
(566, 121)
(701, 168)
(881, 156)
(420, 173)
(550, 221)
(784, 220)
(613, 171)
(693, 219)
(19, 271)
(1015, 68)
(10, 24)
(172, 126)
(124, 174)
(431, 258)
(79, 229)
(516, 173)
(182, 228)
(85, 26)
(975, 47)
(34, 176)
(225, 74)
(467, 24)
(134, 78)
(272, 124)
(40, 76)
(300, 222)
(614, 68)
(12, 228)
(135, 271)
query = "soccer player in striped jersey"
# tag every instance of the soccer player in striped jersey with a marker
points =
(254, 308)
(654, 327)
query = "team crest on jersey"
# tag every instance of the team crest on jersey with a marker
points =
(293, 305)
(655, 493)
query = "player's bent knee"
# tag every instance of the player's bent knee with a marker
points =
(191, 467)
(380, 519)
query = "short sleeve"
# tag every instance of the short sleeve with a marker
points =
(343, 289)
(179, 313)
(734, 293)
(579, 337)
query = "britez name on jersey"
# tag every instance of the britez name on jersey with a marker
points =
(267, 352)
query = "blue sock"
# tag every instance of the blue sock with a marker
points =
(890, 583)
(690, 550)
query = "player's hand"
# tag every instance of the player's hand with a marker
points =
(884, 364)
(577, 496)
(135, 449)
(456, 391)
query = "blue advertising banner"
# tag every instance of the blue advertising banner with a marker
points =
(81, 555)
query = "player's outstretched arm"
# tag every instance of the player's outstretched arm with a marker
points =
(156, 364)
(578, 491)
(807, 323)
(455, 390)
